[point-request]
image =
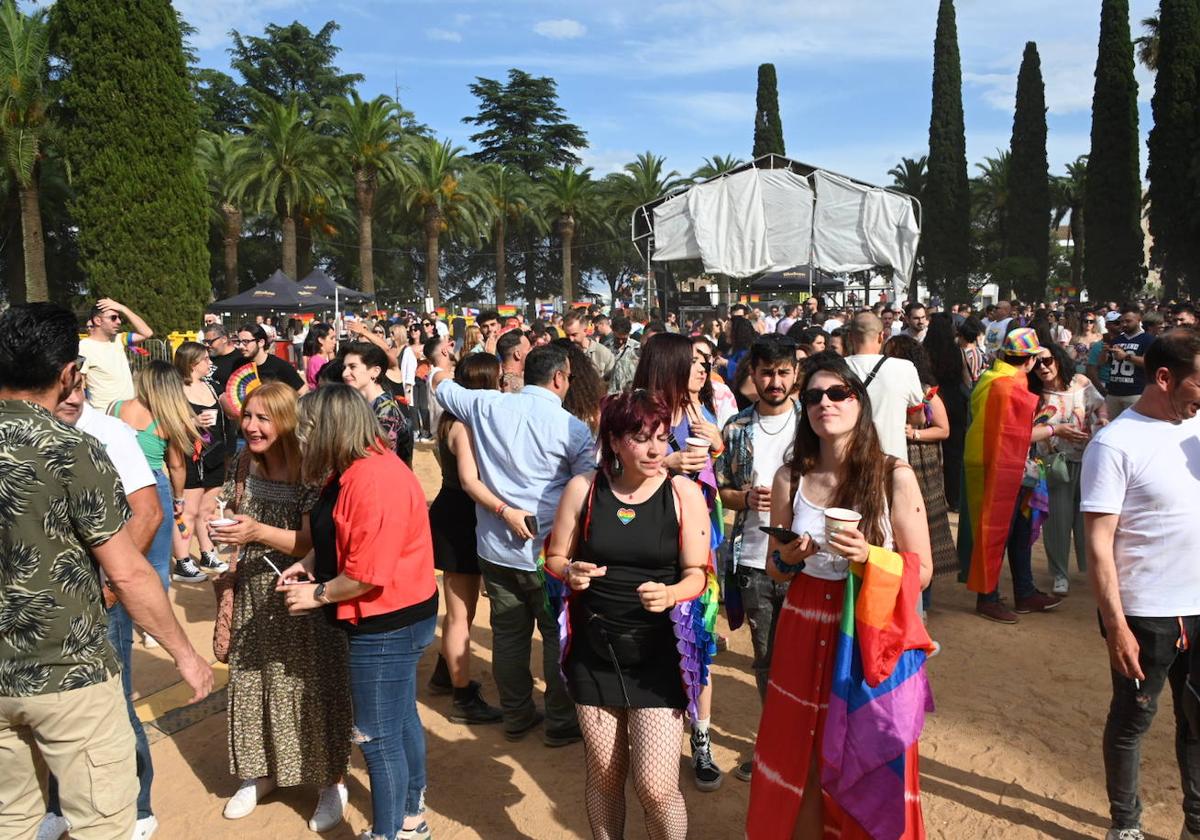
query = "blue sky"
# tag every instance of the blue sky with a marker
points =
(678, 78)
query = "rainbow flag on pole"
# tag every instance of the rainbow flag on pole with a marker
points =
(878, 698)
(506, 311)
(1002, 410)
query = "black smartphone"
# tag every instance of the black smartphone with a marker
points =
(784, 535)
(532, 524)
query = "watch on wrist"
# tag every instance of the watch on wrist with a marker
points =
(319, 594)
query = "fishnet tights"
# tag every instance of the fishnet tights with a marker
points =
(613, 739)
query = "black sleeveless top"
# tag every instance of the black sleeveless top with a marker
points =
(449, 462)
(638, 548)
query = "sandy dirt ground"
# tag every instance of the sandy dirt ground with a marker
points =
(1012, 752)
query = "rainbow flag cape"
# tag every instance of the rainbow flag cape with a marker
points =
(879, 695)
(1002, 410)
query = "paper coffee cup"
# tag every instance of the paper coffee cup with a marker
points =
(222, 523)
(699, 446)
(839, 519)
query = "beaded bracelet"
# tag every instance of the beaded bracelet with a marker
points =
(785, 568)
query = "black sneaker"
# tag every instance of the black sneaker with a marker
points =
(474, 711)
(562, 737)
(211, 562)
(186, 571)
(744, 770)
(707, 774)
(519, 734)
(439, 680)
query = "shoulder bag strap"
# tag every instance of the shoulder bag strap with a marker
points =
(874, 371)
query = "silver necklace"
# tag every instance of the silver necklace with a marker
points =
(758, 421)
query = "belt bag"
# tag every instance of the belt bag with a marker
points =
(623, 646)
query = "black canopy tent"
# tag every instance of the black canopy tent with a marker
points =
(801, 278)
(321, 285)
(278, 293)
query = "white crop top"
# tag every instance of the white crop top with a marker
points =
(808, 517)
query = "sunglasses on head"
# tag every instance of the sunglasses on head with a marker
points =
(836, 393)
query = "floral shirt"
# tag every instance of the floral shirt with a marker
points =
(395, 426)
(59, 498)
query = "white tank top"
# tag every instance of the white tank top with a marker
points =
(808, 517)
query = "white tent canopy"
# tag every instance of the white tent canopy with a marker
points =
(775, 214)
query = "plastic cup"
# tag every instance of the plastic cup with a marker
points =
(223, 522)
(208, 417)
(839, 519)
(698, 446)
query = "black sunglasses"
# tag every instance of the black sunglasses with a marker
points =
(1044, 361)
(836, 393)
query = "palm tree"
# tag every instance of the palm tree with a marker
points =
(643, 180)
(287, 168)
(567, 194)
(989, 193)
(222, 158)
(714, 166)
(440, 184)
(24, 44)
(1147, 44)
(367, 138)
(1068, 192)
(509, 192)
(908, 176)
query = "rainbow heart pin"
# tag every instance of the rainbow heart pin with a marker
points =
(626, 515)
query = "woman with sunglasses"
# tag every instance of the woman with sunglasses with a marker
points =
(836, 461)
(1087, 333)
(1072, 407)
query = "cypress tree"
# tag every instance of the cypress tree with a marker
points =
(1172, 144)
(946, 235)
(130, 129)
(1029, 181)
(768, 128)
(1112, 261)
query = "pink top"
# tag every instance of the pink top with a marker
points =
(315, 363)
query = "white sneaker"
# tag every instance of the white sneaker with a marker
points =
(52, 827)
(243, 803)
(1062, 585)
(149, 641)
(330, 805)
(1124, 834)
(144, 827)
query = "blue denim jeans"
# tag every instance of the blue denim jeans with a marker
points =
(1020, 559)
(383, 688)
(159, 554)
(120, 636)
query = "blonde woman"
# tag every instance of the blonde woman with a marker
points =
(373, 566)
(205, 465)
(160, 416)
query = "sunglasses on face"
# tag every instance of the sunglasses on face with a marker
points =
(836, 393)
(1089, 320)
(1044, 361)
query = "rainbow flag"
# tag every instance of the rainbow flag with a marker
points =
(506, 311)
(997, 445)
(878, 698)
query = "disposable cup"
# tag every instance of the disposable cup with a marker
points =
(208, 417)
(699, 446)
(839, 519)
(223, 522)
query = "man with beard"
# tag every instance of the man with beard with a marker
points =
(1140, 482)
(756, 443)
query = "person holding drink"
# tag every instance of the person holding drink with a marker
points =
(836, 462)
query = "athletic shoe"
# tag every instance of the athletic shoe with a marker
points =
(474, 711)
(439, 680)
(421, 832)
(707, 774)
(144, 828)
(211, 562)
(1062, 585)
(52, 827)
(937, 648)
(996, 611)
(187, 572)
(562, 737)
(243, 803)
(330, 805)
(148, 641)
(744, 770)
(1037, 602)
(1184, 834)
(1124, 834)
(518, 734)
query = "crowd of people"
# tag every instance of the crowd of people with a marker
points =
(588, 464)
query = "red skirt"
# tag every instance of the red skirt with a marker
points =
(793, 720)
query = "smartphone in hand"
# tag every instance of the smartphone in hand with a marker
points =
(532, 524)
(784, 535)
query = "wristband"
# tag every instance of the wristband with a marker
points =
(500, 510)
(786, 568)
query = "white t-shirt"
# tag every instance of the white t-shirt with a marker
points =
(832, 324)
(894, 390)
(408, 369)
(107, 370)
(120, 442)
(1148, 472)
(772, 439)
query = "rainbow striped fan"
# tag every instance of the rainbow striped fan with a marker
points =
(243, 381)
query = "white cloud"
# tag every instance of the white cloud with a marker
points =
(606, 161)
(461, 19)
(214, 18)
(706, 108)
(448, 35)
(560, 29)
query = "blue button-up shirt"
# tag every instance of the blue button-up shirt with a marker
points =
(527, 447)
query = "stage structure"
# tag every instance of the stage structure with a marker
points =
(774, 214)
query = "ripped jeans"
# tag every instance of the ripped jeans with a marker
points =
(383, 687)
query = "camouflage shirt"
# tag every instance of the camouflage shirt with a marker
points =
(59, 497)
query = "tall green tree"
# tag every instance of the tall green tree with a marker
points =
(24, 45)
(1112, 263)
(291, 63)
(367, 142)
(1067, 196)
(768, 127)
(567, 194)
(287, 170)
(947, 204)
(714, 166)
(1147, 43)
(1028, 230)
(130, 129)
(908, 176)
(223, 159)
(1173, 147)
(511, 196)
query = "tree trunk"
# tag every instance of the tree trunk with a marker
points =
(1077, 246)
(289, 247)
(501, 265)
(230, 239)
(304, 250)
(530, 271)
(14, 257)
(33, 243)
(364, 192)
(566, 232)
(433, 229)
